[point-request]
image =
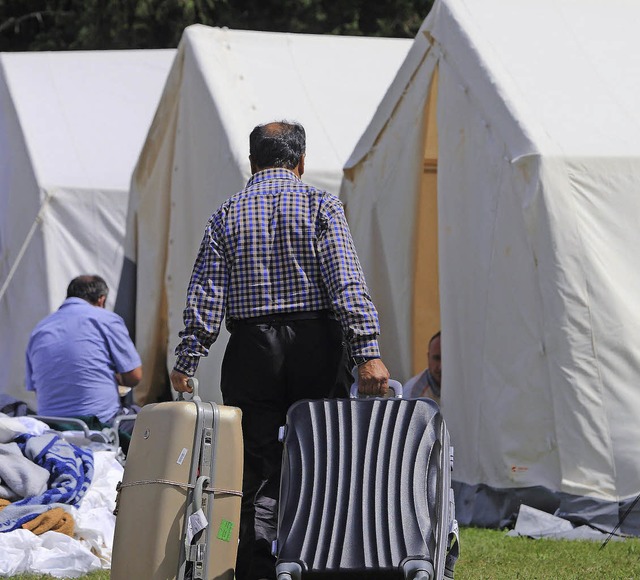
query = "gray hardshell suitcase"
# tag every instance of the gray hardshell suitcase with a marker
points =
(183, 471)
(366, 491)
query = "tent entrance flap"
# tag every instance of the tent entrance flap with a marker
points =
(426, 296)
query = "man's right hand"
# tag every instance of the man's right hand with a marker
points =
(373, 378)
(179, 382)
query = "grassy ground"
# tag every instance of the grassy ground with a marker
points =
(99, 575)
(490, 555)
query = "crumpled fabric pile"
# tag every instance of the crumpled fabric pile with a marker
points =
(59, 500)
(69, 471)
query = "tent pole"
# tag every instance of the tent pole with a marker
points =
(24, 247)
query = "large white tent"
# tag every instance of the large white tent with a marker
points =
(71, 128)
(535, 173)
(222, 84)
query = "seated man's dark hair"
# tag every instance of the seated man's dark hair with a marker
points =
(278, 144)
(89, 288)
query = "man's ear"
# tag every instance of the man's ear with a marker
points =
(101, 301)
(301, 165)
(254, 169)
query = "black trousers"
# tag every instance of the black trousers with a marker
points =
(268, 366)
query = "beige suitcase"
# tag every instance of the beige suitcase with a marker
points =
(178, 506)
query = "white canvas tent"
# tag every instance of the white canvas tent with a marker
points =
(223, 83)
(537, 157)
(71, 128)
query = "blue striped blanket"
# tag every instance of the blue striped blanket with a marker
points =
(71, 473)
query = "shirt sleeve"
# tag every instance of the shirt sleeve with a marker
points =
(123, 352)
(344, 279)
(206, 298)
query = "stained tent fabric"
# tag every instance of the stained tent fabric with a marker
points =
(71, 128)
(534, 110)
(222, 84)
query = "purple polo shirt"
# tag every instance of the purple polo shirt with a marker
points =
(72, 358)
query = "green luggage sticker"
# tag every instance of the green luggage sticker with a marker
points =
(224, 531)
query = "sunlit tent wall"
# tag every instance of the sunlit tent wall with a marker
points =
(536, 149)
(223, 83)
(71, 128)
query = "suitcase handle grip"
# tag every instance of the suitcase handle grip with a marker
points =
(201, 483)
(193, 383)
(395, 386)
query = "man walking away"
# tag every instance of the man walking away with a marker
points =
(277, 261)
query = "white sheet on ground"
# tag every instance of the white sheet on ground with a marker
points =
(95, 522)
(537, 524)
(21, 551)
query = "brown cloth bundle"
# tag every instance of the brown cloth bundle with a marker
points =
(53, 520)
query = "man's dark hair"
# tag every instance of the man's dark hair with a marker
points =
(87, 287)
(278, 144)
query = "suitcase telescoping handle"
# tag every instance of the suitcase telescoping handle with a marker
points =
(193, 383)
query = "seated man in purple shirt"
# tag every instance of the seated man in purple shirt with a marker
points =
(428, 382)
(77, 357)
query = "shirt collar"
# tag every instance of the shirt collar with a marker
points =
(435, 387)
(272, 173)
(74, 300)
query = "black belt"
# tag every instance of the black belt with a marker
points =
(281, 318)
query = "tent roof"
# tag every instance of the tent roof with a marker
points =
(558, 77)
(578, 92)
(75, 107)
(330, 84)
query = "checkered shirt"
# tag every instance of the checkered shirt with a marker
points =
(277, 246)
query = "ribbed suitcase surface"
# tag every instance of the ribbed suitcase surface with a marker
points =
(364, 483)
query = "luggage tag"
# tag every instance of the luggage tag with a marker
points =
(196, 523)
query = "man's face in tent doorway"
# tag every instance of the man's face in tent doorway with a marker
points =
(435, 361)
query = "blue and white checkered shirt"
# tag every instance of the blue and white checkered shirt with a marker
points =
(277, 246)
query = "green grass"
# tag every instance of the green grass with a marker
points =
(490, 555)
(97, 575)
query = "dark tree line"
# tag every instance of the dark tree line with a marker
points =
(113, 24)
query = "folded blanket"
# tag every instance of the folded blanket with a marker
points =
(71, 472)
(19, 476)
